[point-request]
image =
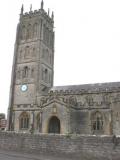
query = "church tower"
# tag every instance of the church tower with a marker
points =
(32, 73)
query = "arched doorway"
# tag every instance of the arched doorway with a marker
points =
(54, 125)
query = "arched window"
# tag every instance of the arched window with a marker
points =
(27, 52)
(25, 72)
(24, 121)
(44, 33)
(35, 30)
(97, 121)
(33, 52)
(47, 36)
(29, 32)
(23, 35)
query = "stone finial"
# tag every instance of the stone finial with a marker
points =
(42, 4)
(22, 9)
(30, 7)
(52, 16)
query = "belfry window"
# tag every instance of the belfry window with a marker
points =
(24, 121)
(27, 52)
(35, 29)
(23, 36)
(29, 32)
(97, 122)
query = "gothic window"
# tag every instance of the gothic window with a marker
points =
(97, 122)
(25, 72)
(29, 32)
(27, 52)
(24, 121)
(23, 36)
(47, 36)
(35, 30)
(44, 32)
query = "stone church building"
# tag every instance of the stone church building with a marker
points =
(36, 105)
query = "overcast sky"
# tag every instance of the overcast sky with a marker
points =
(87, 41)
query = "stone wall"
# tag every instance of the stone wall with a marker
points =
(95, 147)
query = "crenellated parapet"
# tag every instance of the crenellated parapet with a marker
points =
(87, 88)
(37, 13)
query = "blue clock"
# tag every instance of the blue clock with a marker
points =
(24, 87)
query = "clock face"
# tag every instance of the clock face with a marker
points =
(24, 87)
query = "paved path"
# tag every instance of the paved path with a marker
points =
(11, 155)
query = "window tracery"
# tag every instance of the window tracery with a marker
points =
(97, 122)
(24, 121)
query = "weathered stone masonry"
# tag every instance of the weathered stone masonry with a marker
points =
(36, 105)
(107, 147)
